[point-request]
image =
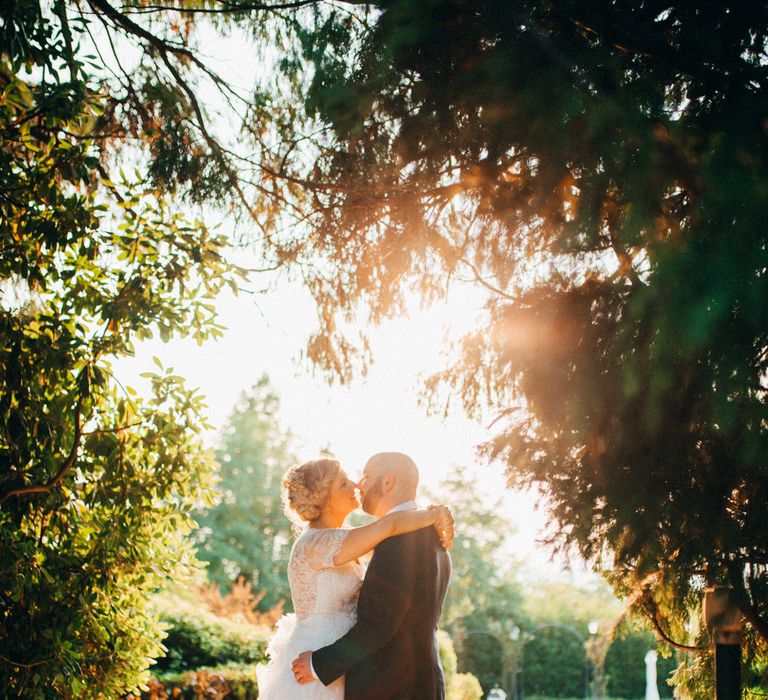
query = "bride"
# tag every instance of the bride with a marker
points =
(324, 572)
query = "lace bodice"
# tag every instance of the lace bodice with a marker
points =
(317, 586)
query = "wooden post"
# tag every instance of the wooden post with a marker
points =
(728, 671)
(725, 623)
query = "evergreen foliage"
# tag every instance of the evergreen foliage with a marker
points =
(247, 533)
(599, 169)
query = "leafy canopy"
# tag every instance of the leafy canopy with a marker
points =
(599, 169)
(96, 485)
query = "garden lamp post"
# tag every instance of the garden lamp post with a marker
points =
(597, 648)
(593, 627)
(515, 634)
(725, 623)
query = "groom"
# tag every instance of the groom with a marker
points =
(391, 652)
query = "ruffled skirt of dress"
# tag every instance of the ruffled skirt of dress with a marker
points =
(291, 637)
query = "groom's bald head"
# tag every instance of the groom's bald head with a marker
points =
(390, 478)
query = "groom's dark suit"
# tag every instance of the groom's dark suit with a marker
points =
(391, 652)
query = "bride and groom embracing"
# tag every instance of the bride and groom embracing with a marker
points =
(355, 634)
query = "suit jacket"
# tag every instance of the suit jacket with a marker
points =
(391, 652)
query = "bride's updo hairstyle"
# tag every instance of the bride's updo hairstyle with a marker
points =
(306, 488)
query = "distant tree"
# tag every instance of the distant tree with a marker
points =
(554, 664)
(483, 582)
(577, 605)
(482, 654)
(625, 664)
(484, 599)
(246, 533)
(556, 633)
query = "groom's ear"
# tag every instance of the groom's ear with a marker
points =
(388, 482)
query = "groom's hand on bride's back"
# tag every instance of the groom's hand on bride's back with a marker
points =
(444, 525)
(302, 668)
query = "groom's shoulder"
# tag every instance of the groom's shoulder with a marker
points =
(419, 540)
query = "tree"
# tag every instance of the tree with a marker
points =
(96, 485)
(553, 664)
(599, 169)
(483, 579)
(557, 634)
(484, 600)
(246, 533)
(624, 665)
(458, 686)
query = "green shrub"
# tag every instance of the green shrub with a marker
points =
(553, 647)
(97, 484)
(231, 681)
(459, 686)
(580, 697)
(625, 665)
(464, 686)
(198, 638)
(447, 655)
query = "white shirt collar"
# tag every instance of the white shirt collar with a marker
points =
(407, 505)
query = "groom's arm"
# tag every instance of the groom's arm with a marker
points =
(385, 597)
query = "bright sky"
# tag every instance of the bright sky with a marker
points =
(266, 333)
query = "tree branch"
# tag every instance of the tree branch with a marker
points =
(479, 278)
(610, 31)
(214, 145)
(651, 610)
(229, 8)
(164, 49)
(159, 44)
(60, 9)
(736, 577)
(106, 431)
(11, 662)
(65, 467)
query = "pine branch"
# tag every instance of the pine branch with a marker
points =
(162, 46)
(736, 578)
(652, 612)
(229, 8)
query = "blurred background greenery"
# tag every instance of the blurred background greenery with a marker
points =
(502, 627)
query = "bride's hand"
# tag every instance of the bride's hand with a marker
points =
(444, 525)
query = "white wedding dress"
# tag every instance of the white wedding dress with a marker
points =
(325, 603)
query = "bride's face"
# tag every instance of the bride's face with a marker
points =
(342, 498)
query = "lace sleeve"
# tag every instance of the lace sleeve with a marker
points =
(322, 545)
